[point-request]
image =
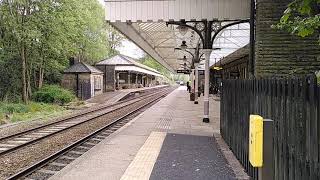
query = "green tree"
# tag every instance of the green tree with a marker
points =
(38, 37)
(302, 18)
(150, 62)
(114, 40)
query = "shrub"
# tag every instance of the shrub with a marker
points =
(10, 108)
(53, 94)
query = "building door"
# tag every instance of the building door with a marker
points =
(85, 90)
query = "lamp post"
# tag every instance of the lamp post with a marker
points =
(207, 31)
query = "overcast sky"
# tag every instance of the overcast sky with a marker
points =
(128, 48)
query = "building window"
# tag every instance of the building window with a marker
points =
(97, 83)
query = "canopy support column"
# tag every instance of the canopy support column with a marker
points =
(192, 85)
(129, 78)
(196, 88)
(207, 53)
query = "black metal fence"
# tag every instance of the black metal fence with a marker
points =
(293, 104)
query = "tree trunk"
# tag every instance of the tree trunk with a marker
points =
(29, 90)
(24, 79)
(41, 74)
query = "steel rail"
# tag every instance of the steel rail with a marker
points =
(29, 170)
(68, 118)
(71, 126)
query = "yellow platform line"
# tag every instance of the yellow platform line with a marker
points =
(142, 165)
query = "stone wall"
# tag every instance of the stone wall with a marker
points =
(69, 81)
(279, 53)
(108, 77)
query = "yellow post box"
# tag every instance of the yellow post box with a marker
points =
(256, 141)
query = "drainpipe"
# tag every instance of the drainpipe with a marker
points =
(251, 63)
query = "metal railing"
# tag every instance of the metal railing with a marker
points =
(293, 104)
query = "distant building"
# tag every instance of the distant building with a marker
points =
(123, 72)
(84, 80)
(234, 66)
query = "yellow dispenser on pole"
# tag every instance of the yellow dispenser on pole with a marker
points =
(256, 141)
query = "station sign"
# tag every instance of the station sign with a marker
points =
(183, 71)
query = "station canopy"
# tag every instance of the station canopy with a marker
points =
(125, 63)
(144, 22)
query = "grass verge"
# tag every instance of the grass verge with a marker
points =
(15, 112)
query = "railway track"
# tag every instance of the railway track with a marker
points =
(56, 161)
(19, 140)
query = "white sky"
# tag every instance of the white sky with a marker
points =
(127, 47)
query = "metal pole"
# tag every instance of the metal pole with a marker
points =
(192, 85)
(252, 40)
(196, 88)
(118, 79)
(266, 171)
(207, 53)
(129, 79)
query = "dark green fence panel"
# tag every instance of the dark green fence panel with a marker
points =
(293, 104)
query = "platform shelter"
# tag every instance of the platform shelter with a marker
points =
(123, 72)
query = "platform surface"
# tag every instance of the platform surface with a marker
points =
(167, 141)
(114, 96)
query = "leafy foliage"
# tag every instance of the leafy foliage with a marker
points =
(302, 18)
(10, 108)
(22, 112)
(150, 62)
(53, 94)
(38, 37)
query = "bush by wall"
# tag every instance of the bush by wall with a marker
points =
(53, 94)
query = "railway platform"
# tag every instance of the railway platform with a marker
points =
(115, 96)
(167, 141)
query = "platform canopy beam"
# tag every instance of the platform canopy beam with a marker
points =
(145, 23)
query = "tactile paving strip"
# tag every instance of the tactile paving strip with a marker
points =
(142, 165)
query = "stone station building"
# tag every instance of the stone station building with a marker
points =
(123, 72)
(84, 80)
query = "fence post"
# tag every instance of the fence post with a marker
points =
(266, 171)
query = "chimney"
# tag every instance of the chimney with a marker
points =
(73, 61)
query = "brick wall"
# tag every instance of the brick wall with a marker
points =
(279, 53)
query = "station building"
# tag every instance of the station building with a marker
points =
(115, 73)
(233, 66)
(84, 80)
(123, 72)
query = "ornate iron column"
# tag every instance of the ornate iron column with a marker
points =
(207, 53)
(192, 85)
(196, 88)
(207, 31)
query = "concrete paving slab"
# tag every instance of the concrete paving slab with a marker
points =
(189, 157)
(173, 114)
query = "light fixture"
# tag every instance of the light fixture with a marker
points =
(183, 45)
(183, 30)
(184, 58)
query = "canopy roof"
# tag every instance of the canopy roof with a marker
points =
(240, 53)
(165, 10)
(144, 23)
(126, 63)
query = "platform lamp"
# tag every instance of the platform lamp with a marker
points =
(183, 45)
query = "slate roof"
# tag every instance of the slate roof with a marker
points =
(240, 53)
(82, 68)
(124, 60)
